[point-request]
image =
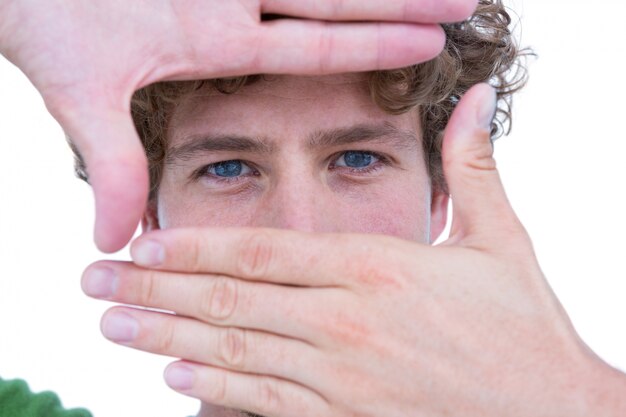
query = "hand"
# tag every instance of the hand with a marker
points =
(87, 59)
(283, 323)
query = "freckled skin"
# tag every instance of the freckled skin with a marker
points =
(295, 187)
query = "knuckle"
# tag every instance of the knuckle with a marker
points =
(380, 48)
(479, 155)
(346, 329)
(465, 9)
(232, 347)
(194, 256)
(371, 268)
(218, 391)
(482, 153)
(220, 299)
(375, 276)
(482, 162)
(166, 337)
(341, 327)
(149, 290)
(268, 395)
(255, 255)
(325, 48)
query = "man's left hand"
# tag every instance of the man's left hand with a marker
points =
(284, 323)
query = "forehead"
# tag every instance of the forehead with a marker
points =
(284, 107)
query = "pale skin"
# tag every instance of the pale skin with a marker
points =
(180, 40)
(87, 58)
(371, 322)
(295, 181)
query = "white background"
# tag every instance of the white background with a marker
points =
(563, 167)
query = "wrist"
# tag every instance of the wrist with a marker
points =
(604, 390)
(574, 383)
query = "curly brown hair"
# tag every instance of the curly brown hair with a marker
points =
(479, 49)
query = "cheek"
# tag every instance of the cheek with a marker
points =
(395, 210)
(398, 205)
(195, 211)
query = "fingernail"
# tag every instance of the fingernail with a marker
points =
(148, 253)
(487, 110)
(120, 327)
(100, 282)
(179, 377)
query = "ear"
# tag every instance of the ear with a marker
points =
(150, 219)
(438, 214)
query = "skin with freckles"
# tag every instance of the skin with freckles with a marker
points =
(114, 49)
(288, 323)
(313, 154)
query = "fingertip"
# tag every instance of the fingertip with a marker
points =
(150, 247)
(117, 221)
(475, 111)
(121, 196)
(105, 316)
(120, 326)
(179, 376)
(409, 44)
(479, 200)
(414, 44)
(486, 106)
(467, 151)
(148, 253)
(116, 166)
(444, 11)
(406, 44)
(460, 10)
(109, 241)
(99, 281)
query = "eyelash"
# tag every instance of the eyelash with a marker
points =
(203, 172)
(381, 161)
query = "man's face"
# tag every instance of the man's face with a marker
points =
(305, 153)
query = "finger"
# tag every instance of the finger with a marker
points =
(219, 300)
(116, 167)
(272, 255)
(230, 348)
(423, 11)
(482, 211)
(263, 395)
(308, 47)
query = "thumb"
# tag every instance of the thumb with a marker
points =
(116, 168)
(482, 213)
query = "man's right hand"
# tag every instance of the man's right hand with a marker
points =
(87, 58)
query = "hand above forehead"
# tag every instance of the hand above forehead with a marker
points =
(283, 323)
(87, 59)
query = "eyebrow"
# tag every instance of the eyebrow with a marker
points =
(384, 133)
(361, 133)
(217, 143)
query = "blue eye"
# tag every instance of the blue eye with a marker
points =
(228, 169)
(356, 159)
